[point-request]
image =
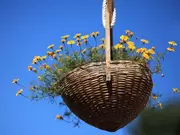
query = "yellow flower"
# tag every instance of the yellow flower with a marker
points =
(172, 43)
(83, 51)
(102, 39)
(102, 46)
(59, 117)
(15, 81)
(146, 56)
(46, 66)
(144, 41)
(34, 61)
(153, 48)
(37, 58)
(97, 33)
(19, 92)
(54, 56)
(131, 34)
(127, 32)
(50, 46)
(175, 90)
(43, 57)
(118, 46)
(40, 78)
(130, 43)
(170, 49)
(93, 34)
(65, 37)
(154, 97)
(61, 47)
(34, 70)
(50, 53)
(77, 35)
(63, 41)
(29, 68)
(150, 51)
(124, 38)
(57, 51)
(85, 37)
(71, 42)
(132, 47)
(139, 50)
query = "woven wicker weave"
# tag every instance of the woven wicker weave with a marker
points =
(107, 106)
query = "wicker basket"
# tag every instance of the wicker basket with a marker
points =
(107, 105)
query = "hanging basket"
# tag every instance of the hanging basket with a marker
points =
(107, 105)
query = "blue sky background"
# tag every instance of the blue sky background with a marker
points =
(27, 27)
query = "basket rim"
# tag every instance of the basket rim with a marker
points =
(104, 63)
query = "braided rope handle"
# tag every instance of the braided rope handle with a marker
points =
(108, 10)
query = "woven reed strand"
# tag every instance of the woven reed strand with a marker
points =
(107, 106)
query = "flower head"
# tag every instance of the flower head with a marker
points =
(57, 51)
(59, 117)
(43, 57)
(132, 47)
(65, 37)
(54, 56)
(29, 68)
(61, 47)
(102, 39)
(93, 34)
(77, 35)
(102, 46)
(170, 49)
(71, 42)
(130, 43)
(172, 43)
(144, 41)
(50, 46)
(150, 51)
(34, 70)
(15, 81)
(63, 41)
(19, 92)
(175, 90)
(146, 56)
(85, 37)
(127, 32)
(50, 53)
(97, 33)
(124, 38)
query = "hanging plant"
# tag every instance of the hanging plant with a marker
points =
(77, 71)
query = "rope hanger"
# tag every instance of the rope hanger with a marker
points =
(108, 19)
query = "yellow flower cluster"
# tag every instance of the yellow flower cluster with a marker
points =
(119, 46)
(172, 45)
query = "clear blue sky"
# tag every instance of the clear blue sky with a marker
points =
(27, 27)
